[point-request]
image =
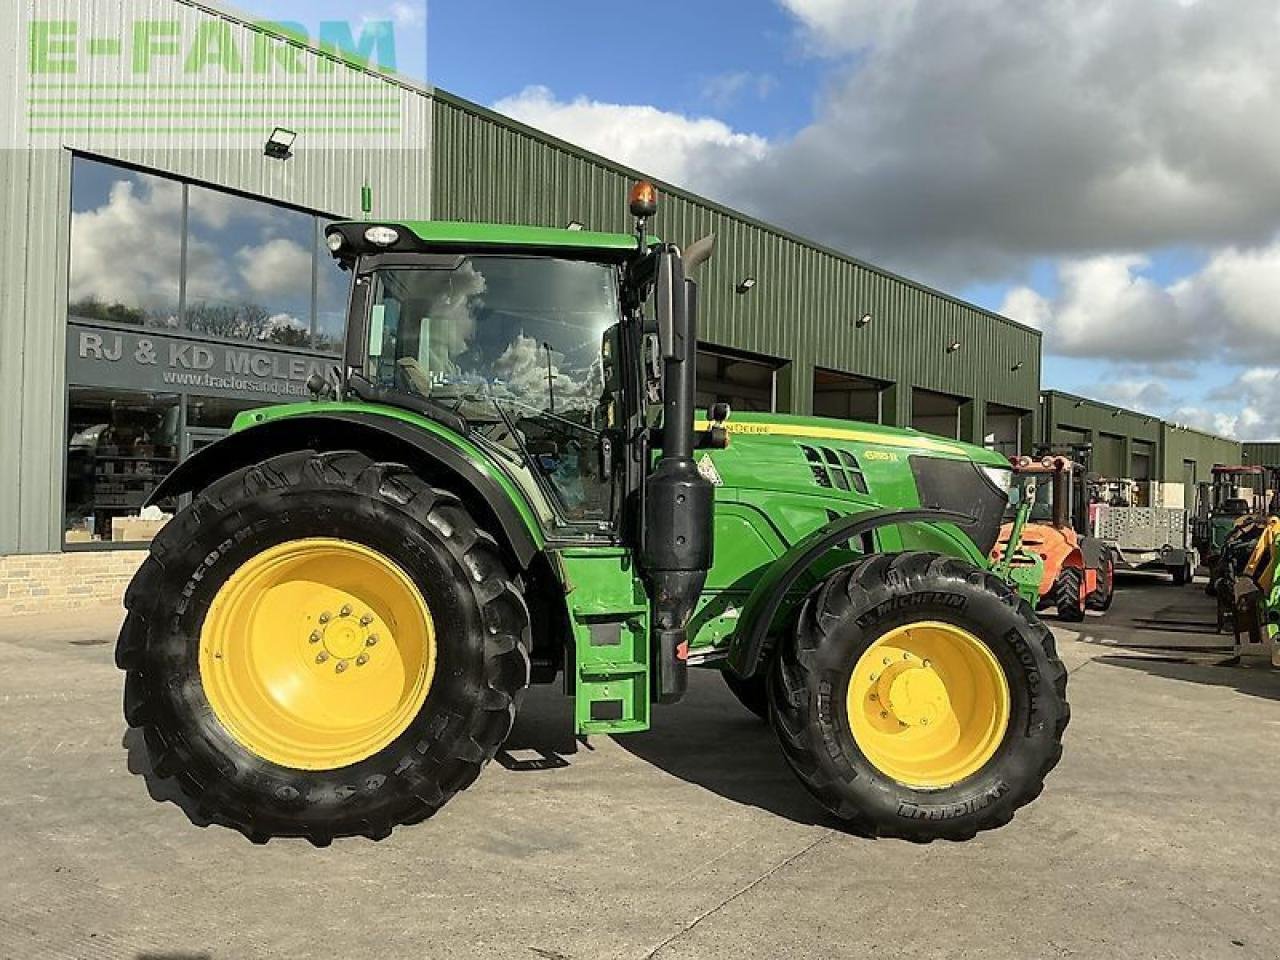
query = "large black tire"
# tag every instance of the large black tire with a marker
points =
(752, 692)
(1102, 597)
(1066, 594)
(840, 620)
(482, 635)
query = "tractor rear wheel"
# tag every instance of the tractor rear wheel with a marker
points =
(919, 698)
(323, 646)
(752, 692)
(1067, 594)
(1101, 598)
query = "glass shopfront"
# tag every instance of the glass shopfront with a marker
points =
(186, 306)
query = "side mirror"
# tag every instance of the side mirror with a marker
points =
(669, 303)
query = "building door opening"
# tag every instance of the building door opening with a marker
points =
(745, 382)
(846, 397)
(936, 413)
(1004, 429)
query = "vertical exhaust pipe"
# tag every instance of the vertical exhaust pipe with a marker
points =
(676, 551)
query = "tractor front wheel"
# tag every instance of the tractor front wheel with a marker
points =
(323, 646)
(919, 698)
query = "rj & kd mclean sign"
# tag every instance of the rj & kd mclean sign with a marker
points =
(155, 363)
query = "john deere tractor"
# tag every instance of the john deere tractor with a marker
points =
(506, 481)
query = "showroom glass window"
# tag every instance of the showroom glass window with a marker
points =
(155, 256)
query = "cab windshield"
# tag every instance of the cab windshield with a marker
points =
(1042, 502)
(513, 345)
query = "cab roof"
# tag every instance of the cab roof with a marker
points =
(444, 235)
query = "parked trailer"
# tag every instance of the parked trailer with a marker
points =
(1146, 538)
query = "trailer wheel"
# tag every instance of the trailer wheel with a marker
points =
(1181, 575)
(919, 698)
(752, 692)
(323, 646)
(1101, 598)
(1067, 594)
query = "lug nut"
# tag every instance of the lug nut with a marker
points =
(315, 636)
(324, 617)
(884, 715)
(366, 620)
(372, 639)
(887, 661)
(342, 665)
(321, 657)
(875, 696)
(345, 611)
(875, 677)
(928, 663)
(362, 660)
(905, 655)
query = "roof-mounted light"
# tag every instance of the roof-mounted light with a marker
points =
(382, 236)
(643, 200)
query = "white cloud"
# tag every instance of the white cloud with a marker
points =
(1227, 311)
(277, 268)
(698, 152)
(128, 251)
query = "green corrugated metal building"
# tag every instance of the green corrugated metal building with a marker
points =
(1134, 445)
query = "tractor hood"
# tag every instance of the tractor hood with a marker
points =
(864, 464)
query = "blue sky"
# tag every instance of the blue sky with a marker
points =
(1076, 192)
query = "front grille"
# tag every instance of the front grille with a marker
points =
(838, 469)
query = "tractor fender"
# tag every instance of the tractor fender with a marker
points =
(766, 597)
(383, 438)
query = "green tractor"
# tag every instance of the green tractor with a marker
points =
(507, 481)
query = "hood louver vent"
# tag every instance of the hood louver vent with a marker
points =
(836, 469)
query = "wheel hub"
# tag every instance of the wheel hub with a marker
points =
(346, 638)
(916, 696)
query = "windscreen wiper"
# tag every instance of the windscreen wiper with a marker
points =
(370, 392)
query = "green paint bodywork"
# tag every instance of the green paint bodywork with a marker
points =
(1021, 568)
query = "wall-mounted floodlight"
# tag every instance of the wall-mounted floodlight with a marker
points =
(280, 144)
(1079, 404)
(864, 319)
(747, 284)
(573, 225)
(953, 346)
(1016, 367)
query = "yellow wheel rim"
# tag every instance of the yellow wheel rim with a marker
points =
(928, 704)
(317, 653)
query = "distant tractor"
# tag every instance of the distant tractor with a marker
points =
(1077, 571)
(1221, 508)
(506, 481)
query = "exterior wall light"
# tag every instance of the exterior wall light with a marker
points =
(1016, 367)
(747, 284)
(864, 320)
(953, 346)
(280, 144)
(573, 225)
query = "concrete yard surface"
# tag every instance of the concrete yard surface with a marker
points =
(1155, 837)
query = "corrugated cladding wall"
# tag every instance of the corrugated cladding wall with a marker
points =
(1114, 431)
(1206, 449)
(1261, 454)
(325, 175)
(806, 302)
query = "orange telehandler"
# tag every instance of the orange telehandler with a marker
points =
(1079, 570)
